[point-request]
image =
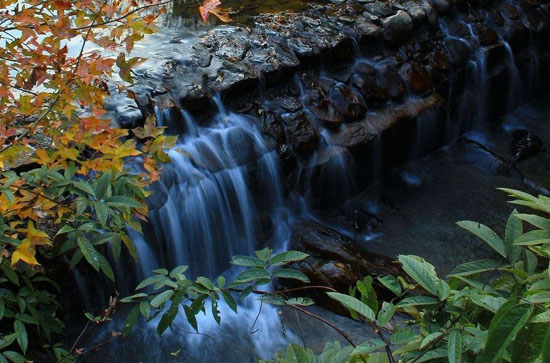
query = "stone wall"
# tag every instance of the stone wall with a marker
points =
(358, 71)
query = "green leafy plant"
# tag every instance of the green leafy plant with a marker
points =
(488, 310)
(172, 290)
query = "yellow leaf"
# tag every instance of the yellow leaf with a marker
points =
(35, 236)
(25, 252)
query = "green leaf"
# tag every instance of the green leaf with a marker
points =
(206, 283)
(168, 317)
(302, 301)
(474, 267)
(264, 254)
(533, 238)
(102, 184)
(15, 357)
(7, 340)
(429, 339)
(514, 229)
(134, 298)
(537, 221)
(145, 309)
(21, 334)
(229, 300)
(131, 320)
(150, 281)
(486, 301)
(162, 298)
(272, 299)
(454, 347)
(506, 323)
(180, 270)
(386, 313)
(486, 234)
(416, 301)
(420, 271)
(220, 281)
(391, 283)
(368, 347)
(65, 229)
(247, 261)
(85, 187)
(250, 275)
(368, 293)
(2, 308)
(402, 336)
(541, 318)
(121, 201)
(101, 212)
(546, 347)
(286, 273)
(528, 343)
(286, 257)
(89, 252)
(353, 304)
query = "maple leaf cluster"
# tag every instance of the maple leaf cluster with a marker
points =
(65, 185)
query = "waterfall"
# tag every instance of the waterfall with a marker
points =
(224, 193)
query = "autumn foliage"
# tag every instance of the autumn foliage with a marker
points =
(65, 189)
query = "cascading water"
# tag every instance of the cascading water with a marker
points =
(223, 195)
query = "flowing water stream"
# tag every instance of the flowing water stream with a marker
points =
(224, 193)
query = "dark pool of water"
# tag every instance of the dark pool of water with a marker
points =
(186, 12)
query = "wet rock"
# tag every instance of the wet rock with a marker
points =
(322, 109)
(485, 35)
(193, 97)
(368, 31)
(231, 49)
(128, 116)
(416, 76)
(379, 8)
(415, 11)
(289, 103)
(391, 81)
(274, 126)
(304, 48)
(332, 256)
(347, 102)
(517, 36)
(352, 135)
(431, 14)
(441, 6)
(496, 17)
(525, 144)
(302, 133)
(509, 11)
(202, 56)
(327, 179)
(495, 55)
(459, 30)
(397, 27)
(457, 51)
(365, 79)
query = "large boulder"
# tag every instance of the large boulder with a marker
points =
(335, 260)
